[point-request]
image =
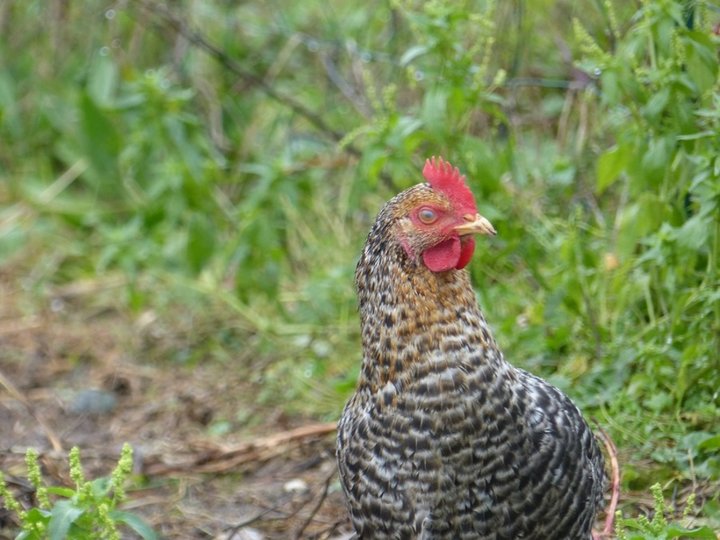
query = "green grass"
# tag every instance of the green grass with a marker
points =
(238, 185)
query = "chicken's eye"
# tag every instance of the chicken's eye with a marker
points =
(427, 215)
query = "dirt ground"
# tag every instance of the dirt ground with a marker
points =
(71, 375)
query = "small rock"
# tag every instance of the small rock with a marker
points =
(92, 401)
(246, 533)
(296, 485)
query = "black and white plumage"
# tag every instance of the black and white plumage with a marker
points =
(444, 439)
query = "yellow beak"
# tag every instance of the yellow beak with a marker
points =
(475, 224)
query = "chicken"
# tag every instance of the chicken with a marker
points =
(443, 438)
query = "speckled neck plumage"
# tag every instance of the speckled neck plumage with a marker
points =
(409, 314)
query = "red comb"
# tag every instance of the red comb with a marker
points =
(447, 179)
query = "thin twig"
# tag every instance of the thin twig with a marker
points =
(321, 499)
(17, 395)
(232, 531)
(347, 90)
(217, 460)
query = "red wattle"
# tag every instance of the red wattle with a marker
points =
(444, 256)
(467, 247)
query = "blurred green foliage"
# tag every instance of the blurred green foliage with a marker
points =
(227, 160)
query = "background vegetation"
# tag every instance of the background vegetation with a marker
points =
(224, 162)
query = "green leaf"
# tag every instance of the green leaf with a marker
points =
(36, 516)
(675, 531)
(710, 444)
(701, 60)
(610, 164)
(102, 80)
(639, 219)
(9, 110)
(412, 53)
(135, 522)
(434, 110)
(697, 135)
(610, 84)
(695, 232)
(63, 515)
(101, 486)
(186, 149)
(61, 491)
(649, 169)
(200, 242)
(100, 140)
(656, 104)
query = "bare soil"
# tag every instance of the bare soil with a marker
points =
(73, 373)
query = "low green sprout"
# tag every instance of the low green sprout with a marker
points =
(659, 528)
(87, 511)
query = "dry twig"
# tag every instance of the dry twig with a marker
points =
(17, 395)
(326, 485)
(216, 460)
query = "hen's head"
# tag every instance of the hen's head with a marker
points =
(437, 220)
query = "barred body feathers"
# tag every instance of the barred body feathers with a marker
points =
(443, 438)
